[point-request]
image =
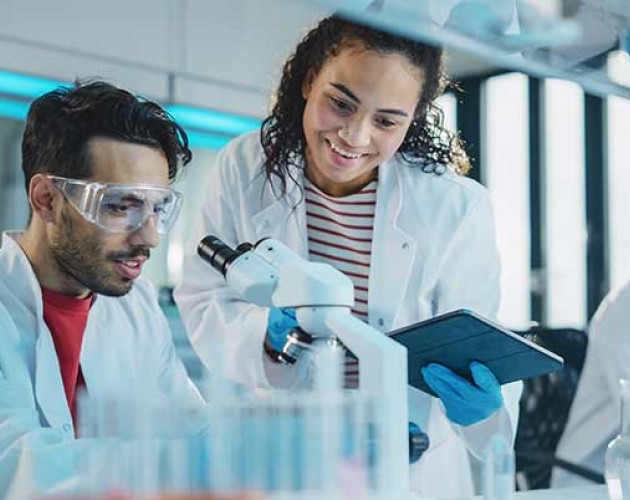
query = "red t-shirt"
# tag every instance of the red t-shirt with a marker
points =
(66, 318)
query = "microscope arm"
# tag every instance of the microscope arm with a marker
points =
(382, 376)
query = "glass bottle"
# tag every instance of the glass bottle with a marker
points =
(617, 463)
(498, 470)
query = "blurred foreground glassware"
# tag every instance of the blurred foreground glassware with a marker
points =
(498, 470)
(617, 464)
(317, 443)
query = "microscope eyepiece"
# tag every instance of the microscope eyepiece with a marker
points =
(218, 254)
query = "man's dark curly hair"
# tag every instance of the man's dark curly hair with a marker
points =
(60, 124)
(426, 143)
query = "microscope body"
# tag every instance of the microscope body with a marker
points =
(271, 274)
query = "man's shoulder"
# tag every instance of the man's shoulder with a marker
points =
(11, 253)
(612, 313)
(19, 287)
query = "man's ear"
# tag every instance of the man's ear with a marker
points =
(40, 196)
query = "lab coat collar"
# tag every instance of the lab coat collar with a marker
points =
(283, 218)
(17, 264)
(49, 392)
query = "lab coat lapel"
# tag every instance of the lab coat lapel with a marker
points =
(393, 252)
(49, 393)
(49, 390)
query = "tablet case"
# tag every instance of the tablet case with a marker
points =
(457, 338)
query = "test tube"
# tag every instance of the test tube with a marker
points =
(498, 470)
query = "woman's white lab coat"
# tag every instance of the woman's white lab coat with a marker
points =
(433, 251)
(127, 351)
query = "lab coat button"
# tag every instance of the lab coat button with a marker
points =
(381, 322)
(66, 428)
(265, 224)
(405, 246)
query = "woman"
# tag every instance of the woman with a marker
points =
(353, 168)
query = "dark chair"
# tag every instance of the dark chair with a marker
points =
(544, 410)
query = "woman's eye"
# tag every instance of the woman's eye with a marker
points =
(385, 122)
(340, 105)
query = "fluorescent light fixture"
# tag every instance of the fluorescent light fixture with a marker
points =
(201, 140)
(214, 121)
(26, 85)
(210, 129)
(15, 110)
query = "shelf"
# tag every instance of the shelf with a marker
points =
(586, 41)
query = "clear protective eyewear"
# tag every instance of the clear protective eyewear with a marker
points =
(121, 207)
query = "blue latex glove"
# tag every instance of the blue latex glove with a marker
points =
(279, 324)
(466, 403)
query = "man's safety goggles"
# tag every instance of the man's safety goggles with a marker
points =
(121, 207)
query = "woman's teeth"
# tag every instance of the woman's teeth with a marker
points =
(345, 154)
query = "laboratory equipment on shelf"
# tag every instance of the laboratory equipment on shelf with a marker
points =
(617, 461)
(270, 274)
(580, 40)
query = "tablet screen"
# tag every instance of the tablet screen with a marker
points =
(457, 338)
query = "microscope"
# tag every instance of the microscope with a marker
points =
(269, 273)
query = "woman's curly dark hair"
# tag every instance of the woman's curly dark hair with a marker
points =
(426, 143)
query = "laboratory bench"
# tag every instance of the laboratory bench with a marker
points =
(597, 492)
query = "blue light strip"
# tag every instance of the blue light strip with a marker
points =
(26, 85)
(201, 140)
(213, 121)
(15, 110)
(211, 129)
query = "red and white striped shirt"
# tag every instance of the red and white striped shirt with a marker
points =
(340, 233)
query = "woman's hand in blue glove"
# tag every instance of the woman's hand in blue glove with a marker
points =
(465, 403)
(280, 322)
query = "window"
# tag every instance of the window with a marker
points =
(505, 146)
(564, 199)
(448, 104)
(618, 191)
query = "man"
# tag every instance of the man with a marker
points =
(594, 419)
(73, 310)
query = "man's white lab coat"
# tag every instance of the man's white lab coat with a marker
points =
(127, 351)
(594, 418)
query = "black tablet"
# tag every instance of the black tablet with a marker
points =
(457, 338)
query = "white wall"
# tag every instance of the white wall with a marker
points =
(220, 54)
(13, 200)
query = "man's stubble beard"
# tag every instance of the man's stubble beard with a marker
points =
(83, 262)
